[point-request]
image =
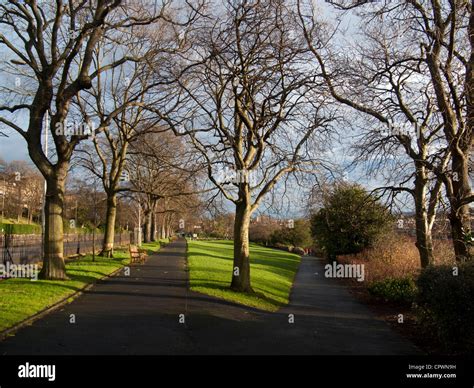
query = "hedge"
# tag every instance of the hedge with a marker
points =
(446, 304)
(20, 228)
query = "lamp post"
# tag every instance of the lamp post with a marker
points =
(43, 208)
(4, 189)
(139, 221)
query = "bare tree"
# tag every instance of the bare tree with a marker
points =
(50, 45)
(249, 106)
(117, 100)
(402, 78)
(50, 51)
(165, 174)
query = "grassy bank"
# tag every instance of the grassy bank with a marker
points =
(272, 273)
(22, 298)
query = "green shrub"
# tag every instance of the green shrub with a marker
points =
(350, 221)
(400, 290)
(299, 235)
(85, 230)
(446, 304)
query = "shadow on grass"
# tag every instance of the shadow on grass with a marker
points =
(279, 265)
(200, 286)
(98, 262)
(73, 276)
(272, 285)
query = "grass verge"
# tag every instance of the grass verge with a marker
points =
(22, 298)
(154, 246)
(271, 273)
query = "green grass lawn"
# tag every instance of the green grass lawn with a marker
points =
(271, 273)
(15, 221)
(21, 298)
(154, 246)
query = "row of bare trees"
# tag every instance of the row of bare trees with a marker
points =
(410, 79)
(166, 91)
(53, 50)
(165, 176)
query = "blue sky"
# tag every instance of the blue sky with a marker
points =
(14, 147)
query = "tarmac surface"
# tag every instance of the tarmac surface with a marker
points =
(153, 312)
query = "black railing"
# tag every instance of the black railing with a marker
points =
(26, 249)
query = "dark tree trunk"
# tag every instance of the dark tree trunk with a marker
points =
(459, 216)
(109, 234)
(241, 281)
(460, 232)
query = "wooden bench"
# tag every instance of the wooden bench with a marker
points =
(137, 255)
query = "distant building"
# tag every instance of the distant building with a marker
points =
(268, 220)
(406, 224)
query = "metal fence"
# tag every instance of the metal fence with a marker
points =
(27, 249)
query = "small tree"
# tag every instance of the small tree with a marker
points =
(298, 236)
(349, 221)
(262, 232)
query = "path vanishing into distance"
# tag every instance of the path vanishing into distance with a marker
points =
(139, 314)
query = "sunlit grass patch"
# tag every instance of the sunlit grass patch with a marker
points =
(271, 271)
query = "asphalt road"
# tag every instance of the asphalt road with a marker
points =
(152, 312)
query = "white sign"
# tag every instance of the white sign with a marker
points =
(124, 176)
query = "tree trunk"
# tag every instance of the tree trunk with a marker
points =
(163, 233)
(53, 260)
(241, 279)
(424, 240)
(20, 208)
(168, 226)
(459, 217)
(154, 228)
(460, 232)
(148, 218)
(109, 234)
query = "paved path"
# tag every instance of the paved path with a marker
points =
(140, 314)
